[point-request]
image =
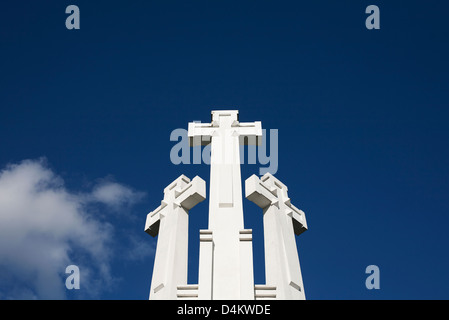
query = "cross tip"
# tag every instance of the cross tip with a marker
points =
(215, 114)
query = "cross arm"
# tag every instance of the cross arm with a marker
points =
(298, 218)
(192, 194)
(153, 220)
(252, 131)
(200, 134)
(182, 193)
(265, 192)
(256, 192)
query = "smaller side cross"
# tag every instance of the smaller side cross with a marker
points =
(170, 222)
(282, 220)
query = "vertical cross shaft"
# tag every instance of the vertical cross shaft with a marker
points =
(170, 222)
(232, 266)
(282, 221)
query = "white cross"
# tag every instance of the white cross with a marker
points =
(282, 220)
(232, 273)
(170, 222)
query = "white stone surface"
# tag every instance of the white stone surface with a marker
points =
(230, 252)
(170, 222)
(205, 267)
(281, 221)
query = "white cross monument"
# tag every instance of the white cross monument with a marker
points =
(281, 221)
(170, 221)
(226, 254)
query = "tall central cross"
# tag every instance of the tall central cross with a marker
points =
(229, 258)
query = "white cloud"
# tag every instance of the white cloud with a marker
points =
(43, 226)
(115, 195)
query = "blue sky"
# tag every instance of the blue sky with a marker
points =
(86, 117)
